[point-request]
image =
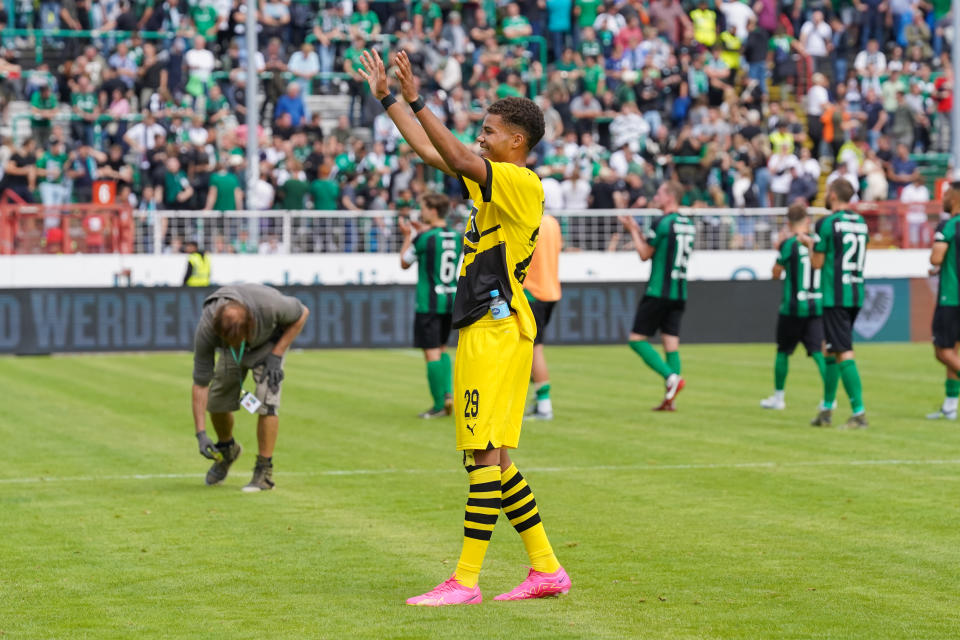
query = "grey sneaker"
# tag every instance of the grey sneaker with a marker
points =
(218, 472)
(434, 413)
(262, 476)
(858, 421)
(824, 418)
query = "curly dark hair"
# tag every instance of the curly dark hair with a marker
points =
(522, 113)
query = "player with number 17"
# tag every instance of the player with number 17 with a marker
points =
(668, 243)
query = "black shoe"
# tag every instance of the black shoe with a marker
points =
(262, 476)
(218, 472)
(858, 421)
(823, 419)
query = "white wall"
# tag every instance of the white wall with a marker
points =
(147, 270)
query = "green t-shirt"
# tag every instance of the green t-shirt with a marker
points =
(432, 13)
(671, 237)
(85, 102)
(948, 294)
(588, 12)
(590, 48)
(842, 237)
(36, 100)
(294, 194)
(438, 256)
(801, 285)
(514, 21)
(173, 184)
(52, 161)
(506, 91)
(325, 195)
(216, 104)
(226, 183)
(365, 21)
(204, 18)
(592, 77)
(345, 164)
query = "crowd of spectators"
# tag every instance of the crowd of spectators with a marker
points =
(634, 92)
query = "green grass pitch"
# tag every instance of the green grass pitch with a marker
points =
(719, 521)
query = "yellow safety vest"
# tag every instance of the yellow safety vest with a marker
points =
(782, 141)
(731, 49)
(200, 275)
(704, 26)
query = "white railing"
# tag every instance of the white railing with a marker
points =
(341, 231)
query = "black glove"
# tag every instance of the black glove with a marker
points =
(207, 448)
(273, 372)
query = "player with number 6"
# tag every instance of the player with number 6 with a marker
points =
(436, 251)
(668, 243)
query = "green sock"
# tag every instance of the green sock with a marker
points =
(543, 391)
(651, 357)
(780, 369)
(821, 364)
(831, 378)
(851, 384)
(953, 388)
(447, 372)
(673, 361)
(435, 375)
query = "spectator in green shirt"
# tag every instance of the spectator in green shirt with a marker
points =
(324, 192)
(43, 107)
(515, 25)
(364, 22)
(225, 193)
(294, 190)
(50, 171)
(85, 106)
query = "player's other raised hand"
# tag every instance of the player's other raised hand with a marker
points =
(374, 73)
(629, 223)
(408, 83)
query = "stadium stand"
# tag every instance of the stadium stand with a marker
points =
(140, 106)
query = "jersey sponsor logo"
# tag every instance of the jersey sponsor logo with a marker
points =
(803, 296)
(877, 307)
(851, 227)
(851, 278)
(441, 289)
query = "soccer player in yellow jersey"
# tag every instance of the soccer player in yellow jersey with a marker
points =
(495, 348)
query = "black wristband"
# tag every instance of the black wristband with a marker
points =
(418, 104)
(387, 101)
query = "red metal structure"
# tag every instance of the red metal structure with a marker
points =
(73, 228)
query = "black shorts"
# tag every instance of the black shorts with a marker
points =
(946, 327)
(431, 330)
(792, 330)
(838, 328)
(658, 313)
(541, 313)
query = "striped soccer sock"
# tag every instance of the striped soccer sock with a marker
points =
(520, 507)
(483, 509)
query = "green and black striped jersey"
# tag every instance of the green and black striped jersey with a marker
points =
(948, 294)
(438, 259)
(671, 236)
(842, 237)
(801, 284)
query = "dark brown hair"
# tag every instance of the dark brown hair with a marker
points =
(796, 212)
(438, 202)
(227, 325)
(522, 113)
(842, 189)
(951, 201)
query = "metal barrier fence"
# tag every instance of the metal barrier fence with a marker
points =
(27, 229)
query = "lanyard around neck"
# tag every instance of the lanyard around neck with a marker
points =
(238, 358)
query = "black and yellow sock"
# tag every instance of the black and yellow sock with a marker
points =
(483, 509)
(520, 507)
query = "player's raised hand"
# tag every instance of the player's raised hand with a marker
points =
(373, 71)
(405, 227)
(408, 84)
(628, 223)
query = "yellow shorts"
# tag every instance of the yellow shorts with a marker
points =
(490, 381)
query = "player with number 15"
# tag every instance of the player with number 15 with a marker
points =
(668, 243)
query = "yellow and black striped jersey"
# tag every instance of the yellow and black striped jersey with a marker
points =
(498, 243)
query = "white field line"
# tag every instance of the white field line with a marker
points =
(377, 472)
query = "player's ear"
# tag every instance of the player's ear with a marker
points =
(518, 140)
